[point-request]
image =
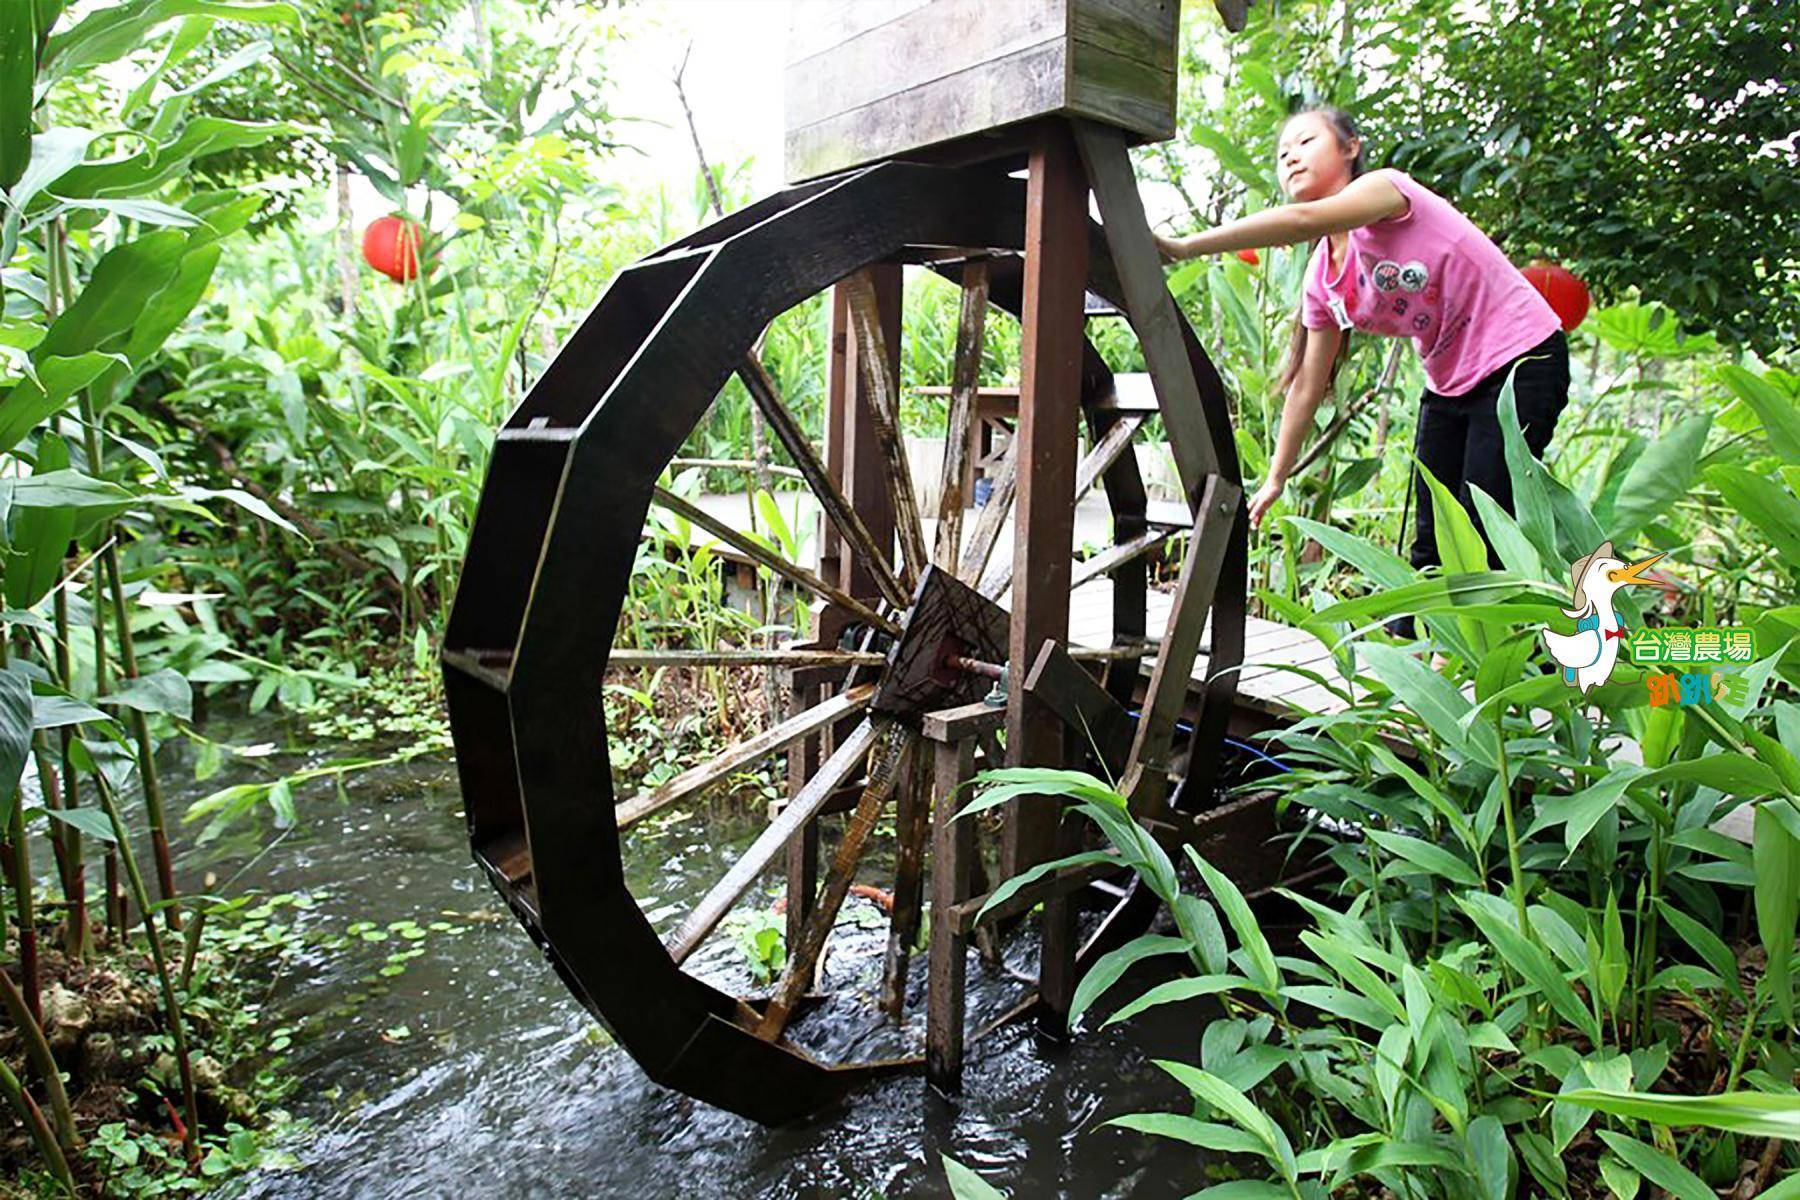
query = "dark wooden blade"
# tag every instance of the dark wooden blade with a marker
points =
(832, 500)
(697, 779)
(792, 572)
(1093, 464)
(884, 405)
(1148, 305)
(912, 825)
(725, 893)
(1094, 718)
(649, 660)
(884, 772)
(1146, 771)
(965, 377)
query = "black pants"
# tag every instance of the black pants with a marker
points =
(1459, 441)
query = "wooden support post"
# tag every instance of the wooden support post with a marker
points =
(955, 860)
(912, 825)
(952, 852)
(1055, 290)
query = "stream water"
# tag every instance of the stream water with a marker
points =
(474, 1072)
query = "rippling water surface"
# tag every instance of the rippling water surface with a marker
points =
(473, 1071)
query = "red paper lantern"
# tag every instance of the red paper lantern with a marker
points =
(391, 246)
(1249, 256)
(1567, 295)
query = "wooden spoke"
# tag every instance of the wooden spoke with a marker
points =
(724, 894)
(992, 520)
(884, 772)
(1114, 442)
(651, 659)
(778, 737)
(1145, 778)
(958, 428)
(832, 500)
(1114, 557)
(792, 572)
(884, 404)
(1093, 464)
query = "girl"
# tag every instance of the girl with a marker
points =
(1394, 258)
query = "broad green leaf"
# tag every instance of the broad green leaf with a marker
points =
(1752, 1114)
(1510, 543)
(53, 153)
(1764, 502)
(1780, 416)
(1429, 792)
(1354, 971)
(1492, 917)
(164, 691)
(1491, 1158)
(58, 378)
(1658, 1167)
(966, 1184)
(111, 32)
(1380, 564)
(1243, 922)
(1176, 990)
(1208, 1135)
(18, 72)
(40, 535)
(1731, 773)
(150, 168)
(123, 282)
(1427, 856)
(1460, 547)
(1339, 1002)
(1243, 1189)
(15, 736)
(1106, 972)
(1661, 475)
(1620, 1179)
(1776, 854)
(1239, 1108)
(90, 821)
(1580, 812)
(1005, 891)
(1708, 945)
(1433, 699)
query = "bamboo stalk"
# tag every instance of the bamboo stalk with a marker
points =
(32, 1117)
(37, 1053)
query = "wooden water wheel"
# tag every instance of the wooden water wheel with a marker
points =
(575, 471)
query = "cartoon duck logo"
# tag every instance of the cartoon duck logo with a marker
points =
(1587, 655)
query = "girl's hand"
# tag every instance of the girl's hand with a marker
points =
(1171, 248)
(1264, 500)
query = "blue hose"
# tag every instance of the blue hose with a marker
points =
(1187, 727)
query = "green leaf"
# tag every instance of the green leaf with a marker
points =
(1433, 699)
(1491, 1158)
(1339, 957)
(1510, 543)
(1765, 503)
(123, 282)
(15, 736)
(1176, 990)
(966, 1184)
(1339, 1002)
(164, 691)
(1460, 547)
(18, 71)
(1776, 855)
(1208, 1135)
(1243, 1189)
(1752, 1114)
(1708, 945)
(1106, 972)
(1381, 565)
(1780, 417)
(1006, 890)
(151, 167)
(53, 153)
(1239, 1108)
(1661, 475)
(58, 378)
(1580, 812)
(1658, 1167)
(90, 821)
(1428, 857)
(1243, 922)
(1492, 917)
(111, 32)
(40, 535)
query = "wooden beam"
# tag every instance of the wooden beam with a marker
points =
(1148, 305)
(1092, 716)
(881, 377)
(1055, 285)
(724, 894)
(991, 522)
(794, 573)
(862, 470)
(1146, 773)
(650, 660)
(633, 809)
(912, 826)
(832, 502)
(803, 851)
(952, 855)
(1114, 557)
(959, 423)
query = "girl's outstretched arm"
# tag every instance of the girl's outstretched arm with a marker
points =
(1302, 401)
(1363, 201)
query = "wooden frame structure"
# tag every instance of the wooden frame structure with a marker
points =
(908, 635)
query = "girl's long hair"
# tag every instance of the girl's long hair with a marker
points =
(1344, 126)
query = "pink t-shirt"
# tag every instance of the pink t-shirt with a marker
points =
(1430, 275)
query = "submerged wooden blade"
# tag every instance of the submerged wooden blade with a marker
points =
(792, 572)
(778, 737)
(724, 894)
(884, 773)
